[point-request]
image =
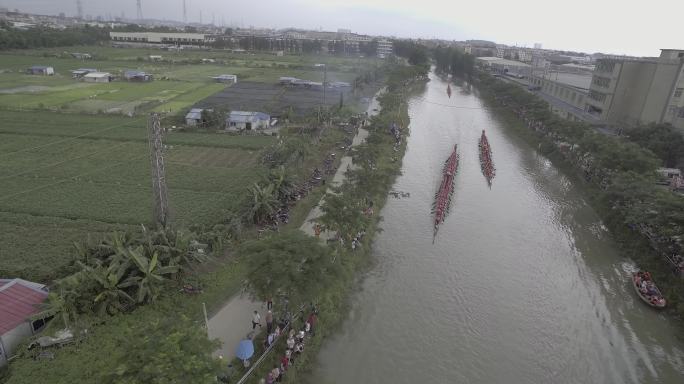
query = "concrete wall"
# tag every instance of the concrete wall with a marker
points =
(631, 91)
(13, 338)
(571, 95)
(662, 89)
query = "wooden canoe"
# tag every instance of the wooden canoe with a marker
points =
(656, 301)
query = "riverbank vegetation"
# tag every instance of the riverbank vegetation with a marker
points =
(645, 218)
(117, 283)
(299, 268)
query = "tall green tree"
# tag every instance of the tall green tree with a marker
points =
(168, 350)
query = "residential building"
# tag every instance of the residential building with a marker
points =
(98, 77)
(162, 38)
(634, 91)
(40, 70)
(19, 313)
(242, 120)
(385, 48)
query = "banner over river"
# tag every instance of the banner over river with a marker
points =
(522, 285)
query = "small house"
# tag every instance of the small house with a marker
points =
(19, 313)
(81, 56)
(242, 120)
(194, 117)
(137, 76)
(98, 77)
(230, 79)
(79, 73)
(41, 70)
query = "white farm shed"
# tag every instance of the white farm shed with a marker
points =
(98, 77)
(242, 120)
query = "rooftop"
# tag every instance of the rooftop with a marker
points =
(497, 60)
(19, 299)
(577, 80)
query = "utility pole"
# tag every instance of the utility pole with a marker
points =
(185, 12)
(160, 197)
(139, 5)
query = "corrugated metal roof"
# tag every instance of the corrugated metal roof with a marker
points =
(19, 299)
(98, 74)
(247, 117)
(195, 114)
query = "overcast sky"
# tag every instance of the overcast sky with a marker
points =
(610, 26)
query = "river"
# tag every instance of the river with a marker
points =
(522, 285)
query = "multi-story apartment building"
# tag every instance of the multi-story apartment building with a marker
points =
(633, 91)
(385, 48)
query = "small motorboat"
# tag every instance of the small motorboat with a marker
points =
(647, 290)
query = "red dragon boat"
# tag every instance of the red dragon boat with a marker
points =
(486, 162)
(442, 202)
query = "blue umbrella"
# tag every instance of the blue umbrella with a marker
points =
(245, 350)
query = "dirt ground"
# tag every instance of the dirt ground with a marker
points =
(272, 98)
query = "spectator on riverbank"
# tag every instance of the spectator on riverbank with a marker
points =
(269, 303)
(256, 320)
(269, 322)
(312, 322)
(277, 374)
(290, 342)
(284, 363)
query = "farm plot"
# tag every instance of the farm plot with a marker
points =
(271, 98)
(65, 177)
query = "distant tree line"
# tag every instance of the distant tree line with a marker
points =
(453, 61)
(41, 37)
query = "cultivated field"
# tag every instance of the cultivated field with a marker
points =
(74, 156)
(65, 176)
(181, 77)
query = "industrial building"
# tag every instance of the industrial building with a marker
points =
(565, 92)
(634, 91)
(162, 38)
(504, 66)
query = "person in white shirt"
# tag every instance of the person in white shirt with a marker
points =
(256, 320)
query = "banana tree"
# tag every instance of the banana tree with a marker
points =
(149, 276)
(112, 297)
(263, 204)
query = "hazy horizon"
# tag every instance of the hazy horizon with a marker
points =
(609, 26)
